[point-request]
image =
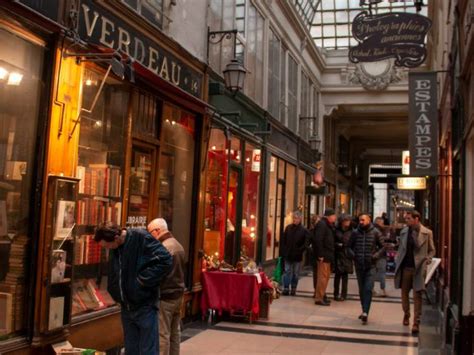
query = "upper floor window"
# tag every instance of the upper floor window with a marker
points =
(243, 16)
(305, 107)
(151, 10)
(276, 77)
(292, 94)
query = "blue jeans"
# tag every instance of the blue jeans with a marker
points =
(140, 328)
(292, 273)
(365, 279)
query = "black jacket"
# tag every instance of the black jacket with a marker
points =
(323, 241)
(136, 269)
(343, 256)
(366, 246)
(293, 242)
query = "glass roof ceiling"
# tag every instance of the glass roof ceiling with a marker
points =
(331, 24)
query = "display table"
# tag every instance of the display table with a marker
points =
(233, 292)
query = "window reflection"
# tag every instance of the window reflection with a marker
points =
(152, 10)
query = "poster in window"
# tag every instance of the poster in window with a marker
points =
(65, 219)
(58, 266)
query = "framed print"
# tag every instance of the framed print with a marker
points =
(65, 219)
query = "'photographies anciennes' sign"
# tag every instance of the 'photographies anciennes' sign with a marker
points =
(99, 26)
(423, 124)
(392, 35)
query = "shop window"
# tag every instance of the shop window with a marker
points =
(236, 150)
(151, 10)
(216, 195)
(146, 110)
(301, 192)
(176, 173)
(290, 193)
(100, 170)
(250, 202)
(20, 69)
(273, 214)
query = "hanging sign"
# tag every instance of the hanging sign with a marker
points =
(396, 35)
(411, 183)
(406, 162)
(423, 123)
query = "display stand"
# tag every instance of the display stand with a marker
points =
(59, 255)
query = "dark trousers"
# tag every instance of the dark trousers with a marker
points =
(140, 329)
(365, 280)
(338, 277)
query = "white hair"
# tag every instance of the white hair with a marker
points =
(159, 223)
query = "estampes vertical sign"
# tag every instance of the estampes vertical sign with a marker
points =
(423, 124)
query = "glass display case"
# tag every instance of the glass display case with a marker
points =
(60, 238)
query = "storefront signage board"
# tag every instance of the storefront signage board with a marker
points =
(411, 183)
(391, 35)
(101, 27)
(423, 123)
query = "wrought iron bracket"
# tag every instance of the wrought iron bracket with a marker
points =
(216, 37)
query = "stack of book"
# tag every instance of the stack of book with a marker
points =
(15, 281)
(87, 250)
(87, 296)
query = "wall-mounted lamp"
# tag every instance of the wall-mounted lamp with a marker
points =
(234, 72)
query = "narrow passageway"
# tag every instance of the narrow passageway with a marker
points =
(297, 326)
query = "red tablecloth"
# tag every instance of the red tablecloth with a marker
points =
(230, 291)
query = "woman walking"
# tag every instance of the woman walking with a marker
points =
(343, 265)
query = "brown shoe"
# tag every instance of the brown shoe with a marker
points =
(415, 329)
(406, 319)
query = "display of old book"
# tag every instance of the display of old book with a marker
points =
(87, 296)
(14, 281)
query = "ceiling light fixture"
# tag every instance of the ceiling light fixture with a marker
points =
(15, 78)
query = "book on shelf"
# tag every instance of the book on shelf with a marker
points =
(92, 211)
(87, 250)
(88, 296)
(100, 179)
(6, 313)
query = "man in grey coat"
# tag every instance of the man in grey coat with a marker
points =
(414, 254)
(171, 289)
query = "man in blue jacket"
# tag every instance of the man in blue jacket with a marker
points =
(137, 264)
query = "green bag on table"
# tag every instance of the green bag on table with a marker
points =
(277, 271)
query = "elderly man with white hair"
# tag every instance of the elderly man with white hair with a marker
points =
(171, 289)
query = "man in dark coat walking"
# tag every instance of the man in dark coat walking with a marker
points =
(343, 266)
(366, 245)
(324, 241)
(293, 244)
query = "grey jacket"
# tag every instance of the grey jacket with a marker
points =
(424, 252)
(172, 287)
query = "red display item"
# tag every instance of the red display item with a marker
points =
(232, 292)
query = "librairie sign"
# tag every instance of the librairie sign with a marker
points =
(396, 35)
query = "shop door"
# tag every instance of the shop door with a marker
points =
(143, 172)
(280, 216)
(234, 217)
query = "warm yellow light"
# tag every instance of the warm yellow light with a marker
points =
(252, 216)
(213, 147)
(88, 82)
(247, 160)
(3, 73)
(14, 79)
(252, 235)
(252, 229)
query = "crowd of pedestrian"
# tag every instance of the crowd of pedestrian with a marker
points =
(344, 244)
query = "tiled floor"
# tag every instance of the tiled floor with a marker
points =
(297, 326)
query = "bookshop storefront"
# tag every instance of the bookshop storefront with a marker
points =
(24, 58)
(122, 143)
